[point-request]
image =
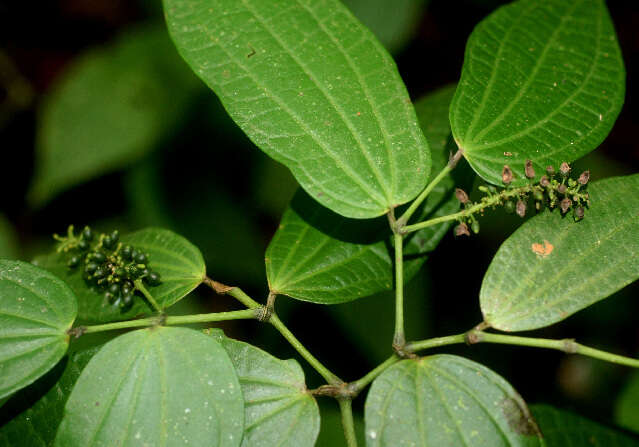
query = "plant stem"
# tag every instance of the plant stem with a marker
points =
(569, 346)
(435, 342)
(345, 406)
(362, 383)
(429, 188)
(399, 339)
(249, 302)
(147, 295)
(169, 321)
(299, 347)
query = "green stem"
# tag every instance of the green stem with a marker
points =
(435, 342)
(299, 347)
(169, 321)
(140, 286)
(569, 346)
(424, 194)
(345, 406)
(362, 383)
(399, 339)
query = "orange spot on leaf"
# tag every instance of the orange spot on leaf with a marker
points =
(542, 250)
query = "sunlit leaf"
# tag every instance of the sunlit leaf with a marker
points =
(315, 90)
(36, 311)
(542, 80)
(109, 108)
(579, 264)
(158, 386)
(279, 410)
(446, 400)
(319, 256)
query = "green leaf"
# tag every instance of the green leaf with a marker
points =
(37, 424)
(319, 256)
(36, 310)
(179, 263)
(279, 410)
(446, 400)
(315, 90)
(542, 81)
(627, 406)
(8, 240)
(394, 23)
(581, 262)
(158, 386)
(564, 429)
(111, 107)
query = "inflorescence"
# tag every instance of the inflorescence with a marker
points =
(554, 189)
(107, 264)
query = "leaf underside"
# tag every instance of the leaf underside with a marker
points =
(589, 260)
(543, 81)
(315, 90)
(160, 386)
(279, 410)
(36, 310)
(319, 256)
(446, 400)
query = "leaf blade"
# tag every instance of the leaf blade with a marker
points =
(36, 310)
(454, 401)
(549, 101)
(523, 290)
(147, 389)
(310, 112)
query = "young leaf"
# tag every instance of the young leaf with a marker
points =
(564, 429)
(158, 386)
(322, 257)
(279, 410)
(580, 263)
(37, 425)
(36, 310)
(542, 81)
(446, 400)
(179, 263)
(315, 90)
(111, 107)
(394, 23)
(627, 407)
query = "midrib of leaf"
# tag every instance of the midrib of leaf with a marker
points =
(273, 412)
(527, 85)
(568, 266)
(32, 350)
(557, 110)
(471, 393)
(136, 394)
(440, 396)
(347, 169)
(120, 382)
(31, 319)
(492, 80)
(369, 100)
(294, 422)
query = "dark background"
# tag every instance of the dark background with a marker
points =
(210, 184)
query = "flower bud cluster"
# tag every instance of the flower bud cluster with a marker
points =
(555, 189)
(107, 264)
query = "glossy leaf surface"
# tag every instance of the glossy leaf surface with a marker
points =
(446, 400)
(543, 81)
(36, 425)
(279, 410)
(36, 310)
(160, 386)
(315, 90)
(179, 263)
(565, 429)
(583, 262)
(111, 107)
(319, 256)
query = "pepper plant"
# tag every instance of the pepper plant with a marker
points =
(382, 180)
